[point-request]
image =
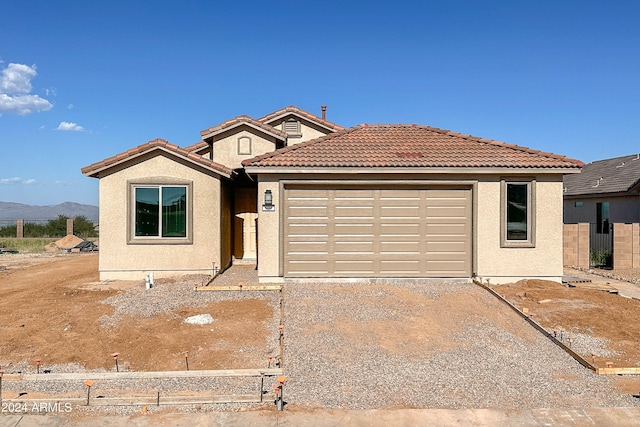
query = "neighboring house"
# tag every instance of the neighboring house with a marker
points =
(307, 199)
(606, 192)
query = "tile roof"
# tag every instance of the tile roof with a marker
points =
(616, 175)
(404, 146)
(197, 146)
(302, 113)
(239, 121)
(157, 144)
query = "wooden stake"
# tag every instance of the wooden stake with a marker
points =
(115, 357)
(88, 384)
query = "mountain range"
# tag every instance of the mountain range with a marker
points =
(13, 211)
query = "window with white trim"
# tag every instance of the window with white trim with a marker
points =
(160, 211)
(517, 213)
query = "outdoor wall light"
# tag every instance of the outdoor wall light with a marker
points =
(268, 201)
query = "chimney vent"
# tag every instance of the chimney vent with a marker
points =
(324, 112)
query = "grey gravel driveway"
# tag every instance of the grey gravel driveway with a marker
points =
(426, 345)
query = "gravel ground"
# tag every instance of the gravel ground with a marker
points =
(490, 367)
(631, 275)
(487, 365)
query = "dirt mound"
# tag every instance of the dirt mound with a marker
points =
(51, 247)
(68, 242)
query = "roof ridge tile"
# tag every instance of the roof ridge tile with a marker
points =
(238, 120)
(373, 142)
(301, 112)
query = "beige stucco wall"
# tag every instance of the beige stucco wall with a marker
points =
(505, 265)
(225, 149)
(269, 237)
(306, 131)
(490, 260)
(120, 260)
(225, 227)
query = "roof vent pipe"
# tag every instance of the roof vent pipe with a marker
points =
(324, 112)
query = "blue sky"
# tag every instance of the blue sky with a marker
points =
(81, 81)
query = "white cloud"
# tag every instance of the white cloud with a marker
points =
(70, 106)
(15, 91)
(16, 180)
(70, 126)
(16, 78)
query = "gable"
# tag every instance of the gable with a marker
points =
(143, 152)
(298, 128)
(230, 148)
(291, 111)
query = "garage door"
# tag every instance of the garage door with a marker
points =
(377, 232)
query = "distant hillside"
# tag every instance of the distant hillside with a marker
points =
(12, 211)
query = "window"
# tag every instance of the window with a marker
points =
(160, 212)
(578, 204)
(244, 145)
(602, 217)
(518, 213)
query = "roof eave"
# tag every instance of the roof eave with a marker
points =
(601, 194)
(94, 173)
(208, 134)
(407, 170)
(333, 128)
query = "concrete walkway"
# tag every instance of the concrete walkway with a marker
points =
(626, 289)
(334, 418)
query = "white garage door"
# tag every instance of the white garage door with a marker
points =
(377, 232)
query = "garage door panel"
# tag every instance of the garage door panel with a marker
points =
(412, 212)
(453, 212)
(359, 212)
(354, 266)
(406, 247)
(353, 194)
(400, 267)
(343, 230)
(448, 268)
(308, 211)
(447, 229)
(317, 248)
(395, 229)
(308, 268)
(365, 232)
(353, 248)
(307, 193)
(399, 194)
(309, 230)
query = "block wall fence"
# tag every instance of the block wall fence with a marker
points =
(20, 227)
(626, 245)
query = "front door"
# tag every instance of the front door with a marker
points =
(245, 233)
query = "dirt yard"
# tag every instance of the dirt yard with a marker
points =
(53, 308)
(575, 312)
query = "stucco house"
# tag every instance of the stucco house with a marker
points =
(305, 198)
(606, 192)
